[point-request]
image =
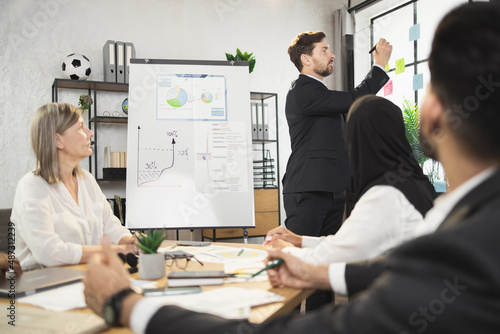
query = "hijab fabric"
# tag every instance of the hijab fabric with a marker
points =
(380, 154)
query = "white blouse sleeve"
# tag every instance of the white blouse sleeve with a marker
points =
(382, 219)
(311, 242)
(35, 225)
(112, 226)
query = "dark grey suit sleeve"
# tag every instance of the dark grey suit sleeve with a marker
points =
(361, 274)
(435, 284)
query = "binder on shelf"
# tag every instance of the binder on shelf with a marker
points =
(109, 61)
(263, 173)
(265, 121)
(259, 122)
(123, 159)
(129, 53)
(107, 156)
(254, 120)
(263, 167)
(115, 159)
(120, 59)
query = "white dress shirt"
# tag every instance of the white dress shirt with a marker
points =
(51, 227)
(382, 219)
(433, 219)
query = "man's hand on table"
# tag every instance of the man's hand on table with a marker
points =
(106, 276)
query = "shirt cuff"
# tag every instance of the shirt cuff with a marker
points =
(297, 252)
(379, 66)
(310, 242)
(142, 313)
(336, 274)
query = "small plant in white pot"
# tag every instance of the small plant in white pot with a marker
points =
(151, 263)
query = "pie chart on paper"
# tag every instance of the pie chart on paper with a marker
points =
(177, 97)
(207, 97)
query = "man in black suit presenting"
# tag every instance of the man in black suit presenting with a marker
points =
(317, 172)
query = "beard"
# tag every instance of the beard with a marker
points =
(323, 71)
(428, 145)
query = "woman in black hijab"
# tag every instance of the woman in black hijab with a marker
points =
(379, 153)
(391, 192)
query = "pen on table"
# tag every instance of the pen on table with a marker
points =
(270, 265)
(240, 252)
(373, 49)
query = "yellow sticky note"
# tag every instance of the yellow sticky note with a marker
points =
(400, 66)
(387, 67)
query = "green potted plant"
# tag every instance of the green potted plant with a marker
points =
(411, 117)
(151, 263)
(84, 102)
(239, 56)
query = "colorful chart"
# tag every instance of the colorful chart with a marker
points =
(247, 270)
(207, 97)
(177, 97)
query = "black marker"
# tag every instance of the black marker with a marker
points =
(373, 49)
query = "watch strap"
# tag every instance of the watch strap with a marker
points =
(115, 302)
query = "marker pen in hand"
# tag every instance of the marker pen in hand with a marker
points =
(270, 265)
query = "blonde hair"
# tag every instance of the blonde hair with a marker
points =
(48, 120)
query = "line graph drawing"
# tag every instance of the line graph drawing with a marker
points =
(153, 162)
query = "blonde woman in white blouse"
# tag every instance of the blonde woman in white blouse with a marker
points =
(59, 210)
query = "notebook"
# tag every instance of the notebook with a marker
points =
(37, 280)
(31, 320)
(194, 278)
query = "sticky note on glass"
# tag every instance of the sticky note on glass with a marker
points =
(388, 88)
(415, 32)
(400, 66)
(418, 81)
(387, 67)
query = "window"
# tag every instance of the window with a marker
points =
(409, 26)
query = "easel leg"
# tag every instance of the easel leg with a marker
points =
(245, 235)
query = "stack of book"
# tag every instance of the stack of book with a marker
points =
(194, 278)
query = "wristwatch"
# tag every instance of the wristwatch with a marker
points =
(113, 306)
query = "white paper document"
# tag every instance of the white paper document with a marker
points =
(229, 303)
(61, 299)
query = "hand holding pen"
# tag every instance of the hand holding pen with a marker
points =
(382, 52)
(294, 273)
(270, 264)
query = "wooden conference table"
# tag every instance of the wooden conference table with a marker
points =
(293, 297)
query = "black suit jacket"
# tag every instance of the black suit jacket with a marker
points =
(446, 282)
(315, 116)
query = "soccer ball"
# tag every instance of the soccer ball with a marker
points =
(76, 67)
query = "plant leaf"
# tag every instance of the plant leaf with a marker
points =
(251, 65)
(150, 242)
(146, 249)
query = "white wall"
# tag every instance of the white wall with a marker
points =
(37, 35)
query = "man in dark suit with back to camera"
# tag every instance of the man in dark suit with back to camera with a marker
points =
(444, 282)
(317, 172)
